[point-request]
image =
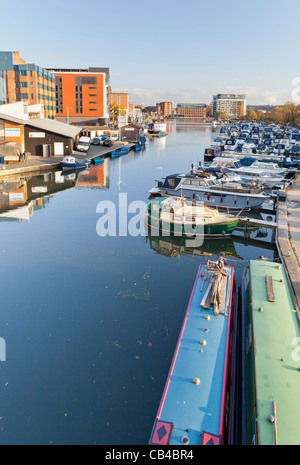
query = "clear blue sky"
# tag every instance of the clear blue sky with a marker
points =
(183, 51)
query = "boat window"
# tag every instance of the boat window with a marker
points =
(195, 182)
(187, 181)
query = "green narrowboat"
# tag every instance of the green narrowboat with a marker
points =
(270, 357)
(176, 216)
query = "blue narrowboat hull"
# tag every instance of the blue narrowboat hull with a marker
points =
(198, 399)
(98, 161)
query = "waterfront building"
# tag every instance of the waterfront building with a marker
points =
(191, 110)
(120, 99)
(82, 95)
(233, 104)
(164, 109)
(21, 81)
(38, 136)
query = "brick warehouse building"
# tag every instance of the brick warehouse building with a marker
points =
(21, 81)
(82, 95)
(41, 137)
(191, 110)
(164, 109)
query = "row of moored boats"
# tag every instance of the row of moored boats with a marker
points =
(230, 181)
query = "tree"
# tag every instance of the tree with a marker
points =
(221, 115)
(291, 113)
(116, 110)
(250, 114)
(260, 115)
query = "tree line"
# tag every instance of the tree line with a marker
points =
(289, 113)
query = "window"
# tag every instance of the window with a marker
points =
(93, 103)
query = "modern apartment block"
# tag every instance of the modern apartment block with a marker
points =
(164, 109)
(233, 105)
(191, 110)
(82, 95)
(121, 99)
(21, 81)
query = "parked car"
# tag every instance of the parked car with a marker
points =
(95, 141)
(83, 144)
(104, 136)
(107, 142)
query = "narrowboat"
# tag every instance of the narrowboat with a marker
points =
(176, 216)
(270, 357)
(198, 401)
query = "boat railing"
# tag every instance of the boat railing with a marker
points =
(238, 189)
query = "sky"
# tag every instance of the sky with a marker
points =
(165, 50)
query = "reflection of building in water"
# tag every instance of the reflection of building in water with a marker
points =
(21, 196)
(96, 176)
(192, 126)
(13, 192)
(18, 213)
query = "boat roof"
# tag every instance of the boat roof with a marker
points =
(275, 333)
(187, 409)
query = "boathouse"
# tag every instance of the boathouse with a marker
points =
(38, 136)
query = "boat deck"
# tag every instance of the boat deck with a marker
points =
(191, 407)
(276, 336)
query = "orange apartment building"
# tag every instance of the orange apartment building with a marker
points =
(82, 95)
(164, 109)
(121, 99)
(21, 81)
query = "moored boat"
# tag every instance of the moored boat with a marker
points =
(197, 404)
(269, 357)
(120, 151)
(235, 196)
(157, 129)
(98, 160)
(71, 163)
(176, 216)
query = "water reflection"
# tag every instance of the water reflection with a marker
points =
(175, 246)
(21, 196)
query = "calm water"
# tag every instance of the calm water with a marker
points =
(91, 323)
